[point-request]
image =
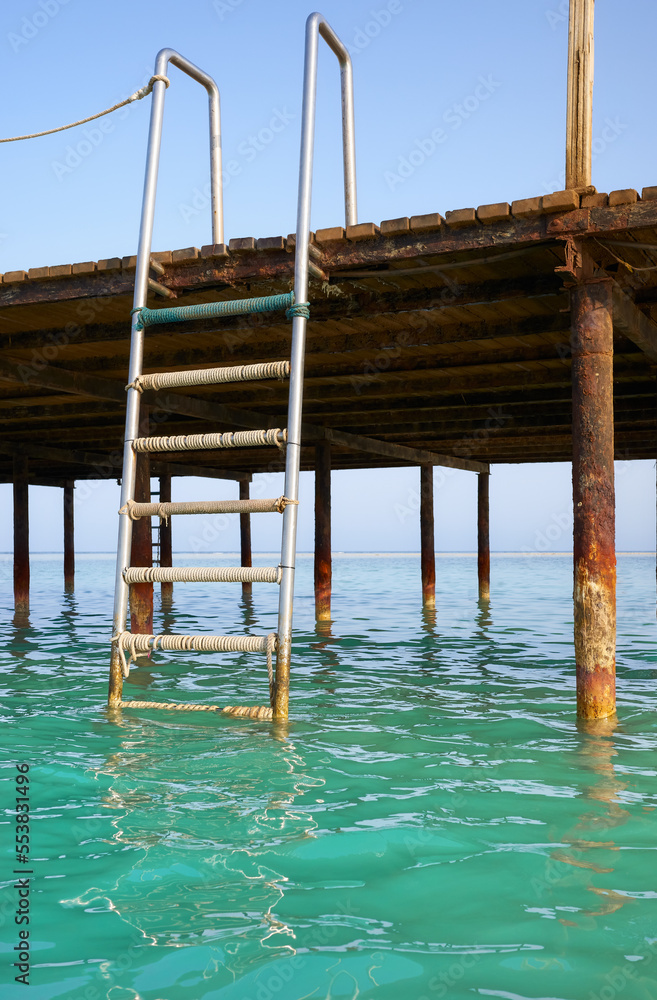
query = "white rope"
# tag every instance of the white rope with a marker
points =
(137, 96)
(136, 643)
(211, 376)
(196, 442)
(240, 711)
(202, 574)
(164, 511)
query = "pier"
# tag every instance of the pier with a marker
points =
(516, 332)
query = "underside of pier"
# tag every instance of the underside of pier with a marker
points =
(431, 341)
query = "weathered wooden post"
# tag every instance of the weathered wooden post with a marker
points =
(141, 594)
(427, 539)
(323, 570)
(579, 128)
(69, 536)
(166, 549)
(483, 535)
(21, 536)
(245, 536)
(593, 497)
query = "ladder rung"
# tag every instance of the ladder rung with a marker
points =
(138, 643)
(202, 574)
(212, 376)
(165, 510)
(239, 711)
(211, 310)
(197, 442)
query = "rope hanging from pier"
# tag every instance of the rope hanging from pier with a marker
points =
(238, 711)
(137, 96)
(212, 376)
(164, 511)
(212, 310)
(229, 439)
(136, 643)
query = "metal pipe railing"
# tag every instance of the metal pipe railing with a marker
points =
(316, 25)
(163, 58)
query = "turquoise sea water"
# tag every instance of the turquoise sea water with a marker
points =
(433, 822)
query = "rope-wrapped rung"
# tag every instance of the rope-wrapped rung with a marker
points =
(212, 376)
(202, 574)
(136, 643)
(199, 442)
(212, 310)
(239, 711)
(165, 510)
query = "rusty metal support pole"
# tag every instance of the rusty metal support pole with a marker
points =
(141, 594)
(69, 537)
(21, 536)
(483, 535)
(166, 549)
(245, 536)
(427, 539)
(593, 498)
(323, 567)
(579, 115)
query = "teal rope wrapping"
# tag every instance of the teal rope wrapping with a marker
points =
(299, 309)
(210, 310)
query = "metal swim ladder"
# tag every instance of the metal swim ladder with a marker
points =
(126, 646)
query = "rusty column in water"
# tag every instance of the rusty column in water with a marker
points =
(427, 539)
(69, 537)
(166, 553)
(593, 497)
(483, 535)
(21, 536)
(245, 536)
(141, 594)
(323, 571)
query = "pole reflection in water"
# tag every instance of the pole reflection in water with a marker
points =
(589, 840)
(325, 673)
(21, 635)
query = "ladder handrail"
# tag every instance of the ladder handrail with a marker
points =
(162, 60)
(316, 25)
(318, 22)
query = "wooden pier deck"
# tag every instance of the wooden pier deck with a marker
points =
(431, 341)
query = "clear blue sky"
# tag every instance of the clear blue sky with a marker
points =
(76, 196)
